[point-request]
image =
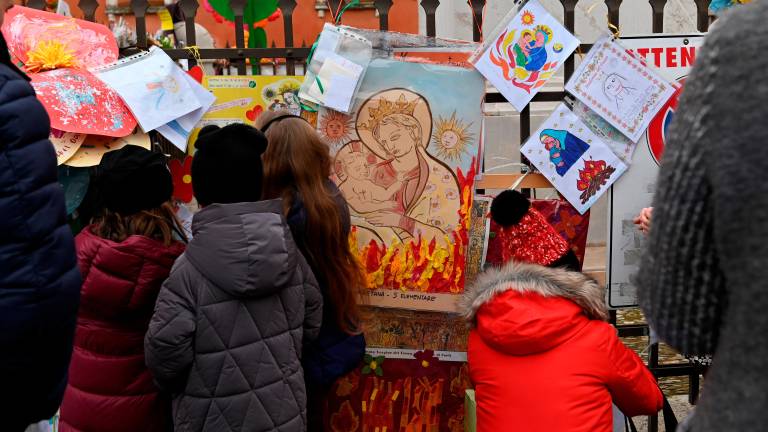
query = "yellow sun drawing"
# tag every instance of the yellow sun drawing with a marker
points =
(528, 18)
(336, 128)
(451, 137)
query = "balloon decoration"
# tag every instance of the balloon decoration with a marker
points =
(256, 15)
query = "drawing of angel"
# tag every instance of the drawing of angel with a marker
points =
(162, 87)
(616, 90)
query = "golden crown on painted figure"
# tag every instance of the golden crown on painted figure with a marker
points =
(387, 108)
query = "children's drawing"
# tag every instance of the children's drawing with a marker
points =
(524, 54)
(66, 144)
(92, 45)
(619, 88)
(283, 96)
(404, 160)
(594, 175)
(163, 88)
(451, 137)
(153, 86)
(622, 146)
(615, 88)
(564, 148)
(94, 147)
(77, 102)
(242, 99)
(578, 163)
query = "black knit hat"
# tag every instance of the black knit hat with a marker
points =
(227, 165)
(133, 179)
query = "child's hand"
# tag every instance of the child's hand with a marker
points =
(643, 220)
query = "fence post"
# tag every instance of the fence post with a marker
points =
(477, 7)
(658, 14)
(286, 8)
(89, 9)
(36, 4)
(382, 7)
(569, 21)
(189, 9)
(430, 8)
(238, 6)
(702, 15)
(613, 12)
(139, 8)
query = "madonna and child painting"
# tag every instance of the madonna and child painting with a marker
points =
(523, 55)
(404, 160)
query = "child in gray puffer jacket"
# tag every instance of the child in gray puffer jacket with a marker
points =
(229, 324)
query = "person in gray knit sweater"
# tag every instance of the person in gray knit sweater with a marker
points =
(702, 282)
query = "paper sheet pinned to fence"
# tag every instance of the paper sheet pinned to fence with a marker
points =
(339, 52)
(155, 89)
(179, 130)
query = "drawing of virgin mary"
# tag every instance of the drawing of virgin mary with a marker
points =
(395, 127)
(564, 148)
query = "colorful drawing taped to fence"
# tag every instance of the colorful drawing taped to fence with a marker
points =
(525, 54)
(94, 147)
(415, 330)
(575, 160)
(77, 102)
(66, 144)
(241, 99)
(26, 30)
(620, 88)
(409, 200)
(56, 52)
(421, 393)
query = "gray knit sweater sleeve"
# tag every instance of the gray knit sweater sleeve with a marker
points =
(709, 209)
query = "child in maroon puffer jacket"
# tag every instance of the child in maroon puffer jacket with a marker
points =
(124, 256)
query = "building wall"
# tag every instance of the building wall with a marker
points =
(307, 21)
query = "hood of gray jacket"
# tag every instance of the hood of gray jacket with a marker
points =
(245, 249)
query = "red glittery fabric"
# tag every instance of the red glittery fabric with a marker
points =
(533, 240)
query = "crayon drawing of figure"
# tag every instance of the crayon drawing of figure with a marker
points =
(537, 52)
(396, 190)
(615, 88)
(162, 87)
(564, 148)
(524, 61)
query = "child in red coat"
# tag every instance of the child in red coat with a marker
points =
(125, 255)
(542, 357)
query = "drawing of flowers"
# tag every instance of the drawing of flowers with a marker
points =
(373, 365)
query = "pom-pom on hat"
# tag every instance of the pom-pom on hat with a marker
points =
(525, 234)
(132, 179)
(227, 166)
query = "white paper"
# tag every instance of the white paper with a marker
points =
(178, 131)
(573, 158)
(525, 54)
(185, 217)
(153, 87)
(622, 146)
(327, 44)
(339, 78)
(340, 95)
(619, 88)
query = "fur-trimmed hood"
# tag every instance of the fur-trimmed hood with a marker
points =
(524, 308)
